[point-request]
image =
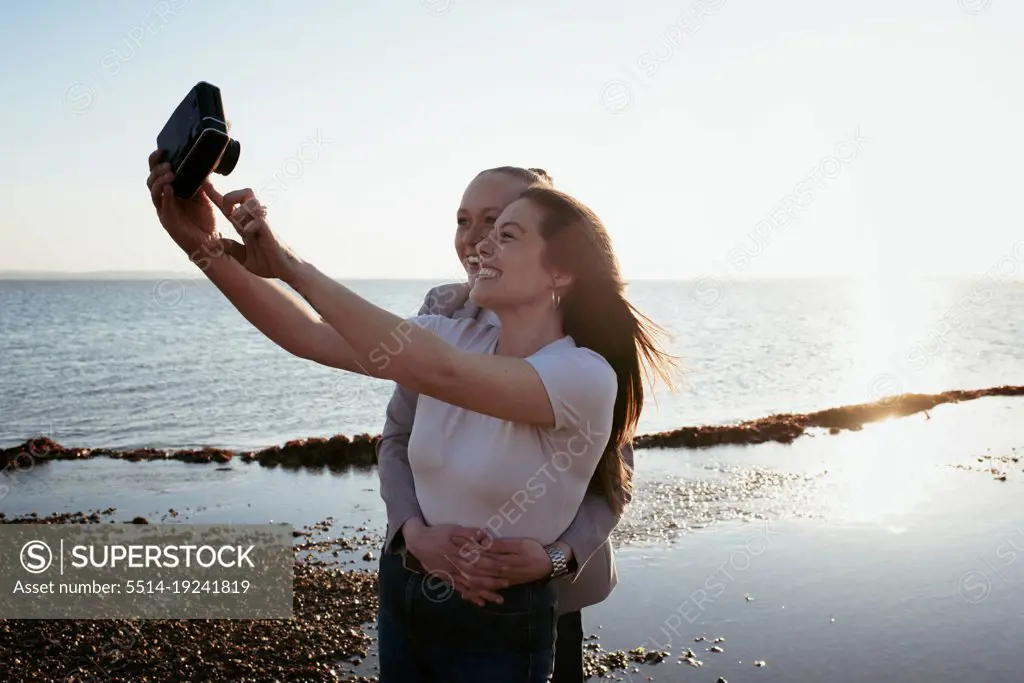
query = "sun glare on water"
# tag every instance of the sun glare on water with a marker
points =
(880, 474)
(893, 318)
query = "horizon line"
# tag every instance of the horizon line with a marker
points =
(151, 275)
(180, 275)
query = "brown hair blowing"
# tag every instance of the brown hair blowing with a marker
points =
(598, 316)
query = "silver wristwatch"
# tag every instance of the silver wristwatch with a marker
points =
(559, 565)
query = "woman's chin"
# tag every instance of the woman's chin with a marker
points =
(479, 293)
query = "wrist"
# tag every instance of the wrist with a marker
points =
(561, 560)
(304, 274)
(565, 548)
(204, 252)
(412, 530)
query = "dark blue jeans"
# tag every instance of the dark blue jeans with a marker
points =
(428, 634)
(569, 649)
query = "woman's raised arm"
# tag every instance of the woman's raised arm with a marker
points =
(278, 314)
(281, 316)
(549, 391)
(508, 388)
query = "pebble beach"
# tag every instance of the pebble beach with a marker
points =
(728, 553)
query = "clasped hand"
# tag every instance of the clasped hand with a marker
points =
(477, 565)
(191, 224)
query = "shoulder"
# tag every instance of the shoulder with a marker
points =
(445, 299)
(577, 359)
(459, 332)
(599, 373)
(579, 377)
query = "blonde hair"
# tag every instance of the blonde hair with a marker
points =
(529, 176)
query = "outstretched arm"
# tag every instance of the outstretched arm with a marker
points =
(280, 315)
(499, 386)
(504, 387)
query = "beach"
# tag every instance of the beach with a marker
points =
(828, 481)
(888, 551)
(833, 489)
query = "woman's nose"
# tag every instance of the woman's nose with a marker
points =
(485, 249)
(478, 232)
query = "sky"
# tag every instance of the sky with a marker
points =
(736, 138)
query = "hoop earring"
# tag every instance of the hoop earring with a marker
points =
(556, 299)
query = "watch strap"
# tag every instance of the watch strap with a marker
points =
(559, 564)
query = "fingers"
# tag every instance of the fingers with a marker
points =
(216, 197)
(470, 532)
(469, 596)
(155, 158)
(484, 583)
(156, 172)
(507, 559)
(233, 249)
(234, 199)
(468, 548)
(166, 204)
(490, 597)
(476, 595)
(473, 535)
(242, 208)
(237, 197)
(254, 212)
(479, 575)
(161, 185)
(472, 561)
(254, 227)
(512, 546)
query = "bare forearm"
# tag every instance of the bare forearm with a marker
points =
(374, 334)
(279, 314)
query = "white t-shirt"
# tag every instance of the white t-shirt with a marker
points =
(515, 479)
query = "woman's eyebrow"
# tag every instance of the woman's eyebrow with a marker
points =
(512, 224)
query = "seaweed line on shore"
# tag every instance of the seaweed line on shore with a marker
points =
(340, 453)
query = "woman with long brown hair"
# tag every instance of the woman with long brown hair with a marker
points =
(581, 563)
(532, 412)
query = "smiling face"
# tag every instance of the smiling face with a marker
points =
(513, 270)
(482, 203)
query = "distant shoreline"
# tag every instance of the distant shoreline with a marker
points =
(150, 276)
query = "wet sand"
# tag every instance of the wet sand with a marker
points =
(863, 526)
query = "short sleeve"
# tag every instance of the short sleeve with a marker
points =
(581, 386)
(459, 332)
(445, 299)
(434, 323)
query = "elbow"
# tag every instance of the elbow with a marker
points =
(309, 349)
